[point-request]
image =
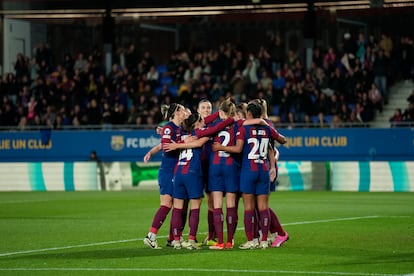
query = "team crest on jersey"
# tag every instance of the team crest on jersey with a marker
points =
(117, 142)
(167, 133)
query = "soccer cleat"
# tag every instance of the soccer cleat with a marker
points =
(169, 242)
(185, 244)
(192, 245)
(249, 245)
(218, 246)
(263, 245)
(209, 242)
(280, 240)
(256, 242)
(272, 237)
(176, 244)
(151, 244)
(229, 245)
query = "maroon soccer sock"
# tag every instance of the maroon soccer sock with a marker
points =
(210, 221)
(171, 234)
(256, 224)
(264, 223)
(193, 223)
(231, 219)
(249, 224)
(184, 214)
(218, 224)
(159, 218)
(176, 223)
(275, 225)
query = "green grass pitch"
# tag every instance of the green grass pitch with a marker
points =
(100, 233)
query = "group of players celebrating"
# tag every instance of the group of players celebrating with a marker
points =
(225, 155)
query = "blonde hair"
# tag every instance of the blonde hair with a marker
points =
(228, 107)
(168, 111)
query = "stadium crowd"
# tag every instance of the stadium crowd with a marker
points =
(344, 84)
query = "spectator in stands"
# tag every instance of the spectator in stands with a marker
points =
(120, 114)
(369, 112)
(276, 52)
(345, 113)
(386, 45)
(291, 59)
(132, 57)
(153, 77)
(21, 66)
(31, 109)
(80, 63)
(285, 103)
(301, 103)
(68, 64)
(322, 123)
(396, 118)
(22, 126)
(58, 123)
(375, 97)
(265, 60)
(93, 113)
(336, 121)
(265, 79)
(238, 86)
(307, 122)
(380, 71)
(8, 115)
(361, 47)
(333, 106)
(291, 120)
(321, 103)
(330, 59)
(279, 83)
(317, 57)
(337, 81)
(298, 71)
(106, 116)
(249, 74)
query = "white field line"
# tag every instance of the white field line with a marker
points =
(208, 270)
(24, 201)
(66, 247)
(137, 239)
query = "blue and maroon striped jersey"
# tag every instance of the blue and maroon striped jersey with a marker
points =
(256, 144)
(189, 160)
(170, 133)
(226, 137)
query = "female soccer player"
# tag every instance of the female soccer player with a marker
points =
(188, 179)
(253, 142)
(174, 114)
(205, 109)
(278, 235)
(223, 179)
(155, 150)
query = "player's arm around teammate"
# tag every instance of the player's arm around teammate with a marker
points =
(174, 114)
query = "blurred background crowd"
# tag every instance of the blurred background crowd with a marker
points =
(347, 85)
